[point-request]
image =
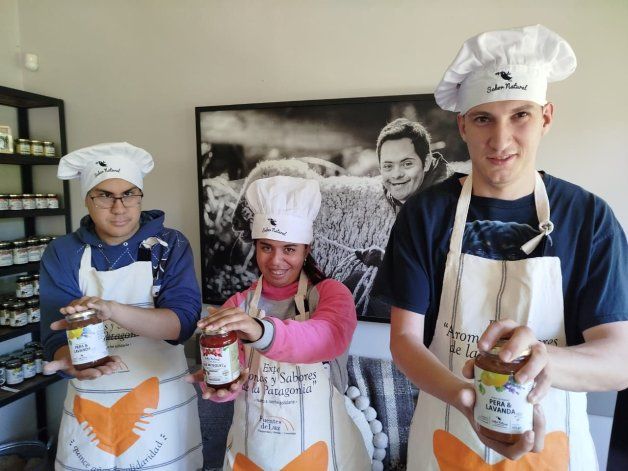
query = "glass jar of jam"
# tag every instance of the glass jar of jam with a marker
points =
(6, 254)
(20, 252)
(39, 361)
(15, 202)
(4, 202)
(24, 287)
(28, 365)
(35, 278)
(49, 149)
(53, 200)
(32, 310)
(23, 146)
(502, 411)
(34, 250)
(86, 339)
(3, 370)
(15, 375)
(41, 202)
(220, 359)
(43, 243)
(28, 201)
(6, 308)
(37, 148)
(19, 317)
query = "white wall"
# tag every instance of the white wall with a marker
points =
(135, 71)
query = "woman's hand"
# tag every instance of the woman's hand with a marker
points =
(232, 319)
(62, 362)
(208, 392)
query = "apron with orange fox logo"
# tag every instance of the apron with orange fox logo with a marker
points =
(143, 417)
(477, 291)
(290, 417)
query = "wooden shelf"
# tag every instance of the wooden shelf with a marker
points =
(17, 159)
(22, 99)
(7, 333)
(23, 268)
(27, 387)
(31, 213)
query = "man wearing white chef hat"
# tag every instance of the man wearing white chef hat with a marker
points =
(478, 258)
(140, 277)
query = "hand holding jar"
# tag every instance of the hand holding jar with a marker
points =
(509, 353)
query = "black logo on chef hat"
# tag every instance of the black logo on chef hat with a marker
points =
(272, 221)
(505, 75)
(102, 163)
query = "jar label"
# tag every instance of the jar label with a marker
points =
(29, 370)
(15, 204)
(41, 203)
(6, 258)
(15, 375)
(3, 375)
(221, 364)
(24, 290)
(501, 404)
(19, 319)
(87, 343)
(4, 204)
(33, 315)
(39, 365)
(28, 203)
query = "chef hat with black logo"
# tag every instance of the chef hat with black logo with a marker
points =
(102, 162)
(284, 208)
(512, 64)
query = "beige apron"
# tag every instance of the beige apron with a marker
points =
(290, 416)
(475, 292)
(143, 417)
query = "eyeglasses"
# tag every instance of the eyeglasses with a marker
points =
(107, 202)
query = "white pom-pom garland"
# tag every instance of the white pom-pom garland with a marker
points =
(379, 454)
(376, 426)
(380, 440)
(377, 466)
(353, 392)
(370, 414)
(362, 403)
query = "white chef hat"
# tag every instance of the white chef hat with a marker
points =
(101, 162)
(284, 208)
(513, 64)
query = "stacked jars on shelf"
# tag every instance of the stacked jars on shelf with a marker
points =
(24, 307)
(22, 251)
(28, 201)
(22, 364)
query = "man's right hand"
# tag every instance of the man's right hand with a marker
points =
(63, 362)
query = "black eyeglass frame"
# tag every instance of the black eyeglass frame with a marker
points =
(115, 198)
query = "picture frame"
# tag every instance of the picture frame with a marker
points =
(333, 141)
(6, 140)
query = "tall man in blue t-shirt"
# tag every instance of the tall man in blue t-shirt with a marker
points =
(506, 252)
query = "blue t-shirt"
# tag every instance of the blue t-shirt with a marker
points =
(587, 238)
(173, 268)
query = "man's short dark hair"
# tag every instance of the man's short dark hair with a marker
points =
(401, 128)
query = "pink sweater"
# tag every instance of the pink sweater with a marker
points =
(326, 335)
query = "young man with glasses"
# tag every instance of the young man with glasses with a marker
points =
(140, 278)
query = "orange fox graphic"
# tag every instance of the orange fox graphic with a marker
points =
(113, 426)
(453, 455)
(315, 458)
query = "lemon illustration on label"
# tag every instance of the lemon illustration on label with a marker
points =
(494, 379)
(75, 333)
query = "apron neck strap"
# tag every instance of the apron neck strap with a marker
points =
(541, 202)
(299, 299)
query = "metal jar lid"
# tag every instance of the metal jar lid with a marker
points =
(500, 344)
(5, 245)
(220, 331)
(19, 243)
(24, 278)
(81, 316)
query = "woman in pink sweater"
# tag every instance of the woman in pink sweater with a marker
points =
(295, 326)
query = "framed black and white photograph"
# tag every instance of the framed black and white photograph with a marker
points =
(368, 154)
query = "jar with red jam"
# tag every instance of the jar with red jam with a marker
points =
(502, 411)
(220, 359)
(87, 340)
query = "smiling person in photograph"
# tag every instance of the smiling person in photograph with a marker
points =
(406, 161)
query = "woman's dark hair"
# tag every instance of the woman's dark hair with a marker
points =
(314, 273)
